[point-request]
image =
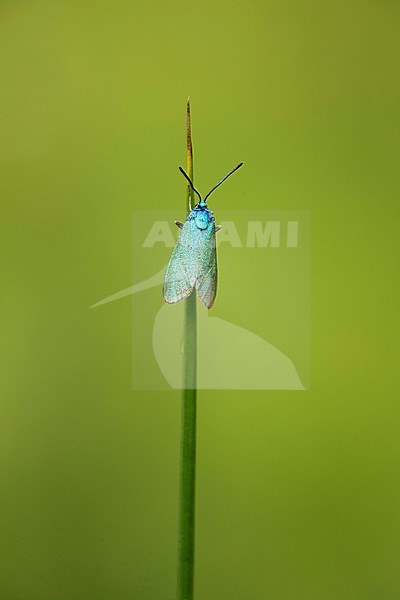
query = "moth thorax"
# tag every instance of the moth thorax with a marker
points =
(202, 219)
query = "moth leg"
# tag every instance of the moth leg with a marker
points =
(179, 224)
(217, 228)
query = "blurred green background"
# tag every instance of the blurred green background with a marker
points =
(298, 492)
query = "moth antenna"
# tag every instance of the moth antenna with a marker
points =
(223, 179)
(190, 182)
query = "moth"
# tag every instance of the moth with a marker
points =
(193, 262)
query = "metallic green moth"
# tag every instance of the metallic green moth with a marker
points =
(193, 263)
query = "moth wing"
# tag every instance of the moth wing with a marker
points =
(207, 276)
(180, 276)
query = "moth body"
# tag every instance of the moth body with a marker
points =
(193, 262)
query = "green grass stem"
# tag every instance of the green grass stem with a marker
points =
(188, 427)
